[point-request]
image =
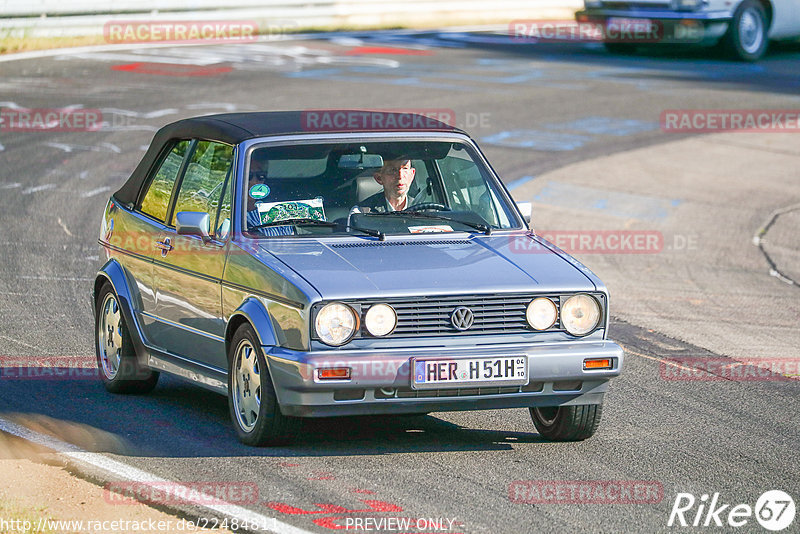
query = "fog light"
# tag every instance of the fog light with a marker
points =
(604, 363)
(334, 373)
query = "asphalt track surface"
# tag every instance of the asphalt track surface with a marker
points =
(533, 109)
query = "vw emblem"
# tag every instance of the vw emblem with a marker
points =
(462, 318)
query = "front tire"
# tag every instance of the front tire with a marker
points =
(747, 36)
(253, 404)
(116, 357)
(567, 423)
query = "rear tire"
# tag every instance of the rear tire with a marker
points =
(253, 404)
(567, 423)
(117, 364)
(746, 39)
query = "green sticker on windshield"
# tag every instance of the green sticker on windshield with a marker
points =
(270, 212)
(259, 191)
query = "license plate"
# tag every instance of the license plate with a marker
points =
(633, 24)
(634, 31)
(489, 371)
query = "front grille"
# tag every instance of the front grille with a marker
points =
(637, 5)
(460, 392)
(430, 316)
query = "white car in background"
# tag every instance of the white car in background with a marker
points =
(744, 27)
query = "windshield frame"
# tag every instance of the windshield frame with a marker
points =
(247, 147)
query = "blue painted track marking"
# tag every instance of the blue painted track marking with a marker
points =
(607, 126)
(558, 141)
(518, 182)
(469, 73)
(343, 76)
(624, 205)
(537, 140)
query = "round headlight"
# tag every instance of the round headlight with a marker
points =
(380, 320)
(580, 314)
(541, 313)
(336, 323)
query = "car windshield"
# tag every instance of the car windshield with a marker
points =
(371, 188)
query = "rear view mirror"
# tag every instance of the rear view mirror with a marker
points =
(526, 209)
(192, 223)
(360, 161)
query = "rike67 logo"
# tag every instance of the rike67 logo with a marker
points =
(774, 510)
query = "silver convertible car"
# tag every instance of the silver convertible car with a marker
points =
(333, 263)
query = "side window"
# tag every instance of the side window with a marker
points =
(467, 190)
(156, 201)
(204, 183)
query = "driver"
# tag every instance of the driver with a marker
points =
(259, 166)
(258, 191)
(395, 176)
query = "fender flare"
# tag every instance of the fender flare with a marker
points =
(113, 273)
(253, 312)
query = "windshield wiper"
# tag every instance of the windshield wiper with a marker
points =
(287, 222)
(317, 222)
(485, 228)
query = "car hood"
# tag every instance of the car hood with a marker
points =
(393, 268)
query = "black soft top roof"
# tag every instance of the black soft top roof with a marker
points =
(233, 128)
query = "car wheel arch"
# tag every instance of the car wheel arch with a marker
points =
(114, 274)
(768, 10)
(253, 312)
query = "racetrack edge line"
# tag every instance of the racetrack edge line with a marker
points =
(133, 474)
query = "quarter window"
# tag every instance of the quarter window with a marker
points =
(156, 201)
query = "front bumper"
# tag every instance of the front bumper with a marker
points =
(674, 27)
(380, 382)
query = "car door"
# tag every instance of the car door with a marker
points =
(140, 233)
(785, 19)
(189, 269)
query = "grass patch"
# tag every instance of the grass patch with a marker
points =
(11, 45)
(18, 517)
(15, 41)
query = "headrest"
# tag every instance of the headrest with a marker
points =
(366, 186)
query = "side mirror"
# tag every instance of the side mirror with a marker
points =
(193, 223)
(526, 209)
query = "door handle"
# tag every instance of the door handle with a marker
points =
(164, 246)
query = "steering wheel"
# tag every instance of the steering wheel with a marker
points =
(428, 206)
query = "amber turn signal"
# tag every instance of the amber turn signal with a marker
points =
(597, 364)
(335, 373)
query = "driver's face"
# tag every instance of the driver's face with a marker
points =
(396, 176)
(258, 170)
